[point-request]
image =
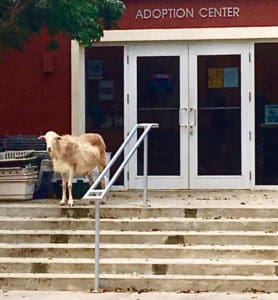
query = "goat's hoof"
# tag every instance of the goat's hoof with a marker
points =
(62, 203)
(70, 204)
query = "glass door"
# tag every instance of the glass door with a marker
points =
(200, 96)
(158, 94)
(266, 114)
(219, 107)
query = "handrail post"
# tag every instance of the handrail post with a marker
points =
(97, 242)
(100, 194)
(145, 183)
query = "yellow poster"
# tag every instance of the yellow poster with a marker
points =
(215, 78)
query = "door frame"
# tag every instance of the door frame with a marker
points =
(188, 52)
(244, 180)
(159, 49)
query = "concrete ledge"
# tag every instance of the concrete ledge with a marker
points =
(145, 266)
(140, 282)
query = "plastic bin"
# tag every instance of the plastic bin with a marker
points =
(18, 158)
(18, 183)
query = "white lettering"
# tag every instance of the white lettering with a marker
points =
(236, 11)
(172, 12)
(156, 13)
(224, 9)
(190, 12)
(147, 13)
(182, 13)
(164, 13)
(220, 12)
(210, 12)
(230, 12)
(203, 12)
(139, 14)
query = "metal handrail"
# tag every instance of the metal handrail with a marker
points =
(99, 194)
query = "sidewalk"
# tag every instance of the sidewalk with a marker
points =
(38, 295)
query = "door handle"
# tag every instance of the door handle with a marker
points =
(192, 117)
(183, 118)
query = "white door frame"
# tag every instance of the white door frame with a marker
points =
(247, 110)
(188, 99)
(132, 52)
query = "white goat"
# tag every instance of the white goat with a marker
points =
(72, 155)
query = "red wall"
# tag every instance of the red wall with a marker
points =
(249, 13)
(33, 101)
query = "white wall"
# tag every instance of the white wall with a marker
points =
(191, 34)
(77, 88)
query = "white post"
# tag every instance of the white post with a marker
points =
(145, 184)
(97, 242)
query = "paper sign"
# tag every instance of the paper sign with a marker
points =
(215, 78)
(230, 77)
(223, 78)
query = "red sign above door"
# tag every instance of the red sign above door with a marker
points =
(152, 14)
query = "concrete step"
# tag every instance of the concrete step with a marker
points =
(144, 266)
(52, 223)
(186, 283)
(179, 242)
(50, 250)
(146, 224)
(141, 237)
(46, 236)
(135, 282)
(42, 210)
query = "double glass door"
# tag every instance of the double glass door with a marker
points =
(199, 95)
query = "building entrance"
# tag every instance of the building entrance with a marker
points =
(199, 95)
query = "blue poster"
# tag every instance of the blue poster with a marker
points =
(231, 77)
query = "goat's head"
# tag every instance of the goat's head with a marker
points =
(50, 138)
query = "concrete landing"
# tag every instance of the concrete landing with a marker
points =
(179, 198)
(197, 198)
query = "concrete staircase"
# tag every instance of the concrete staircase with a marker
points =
(199, 241)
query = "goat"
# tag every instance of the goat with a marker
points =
(75, 155)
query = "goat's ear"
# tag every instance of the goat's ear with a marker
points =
(41, 137)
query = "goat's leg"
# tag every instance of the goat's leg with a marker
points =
(64, 188)
(91, 179)
(70, 188)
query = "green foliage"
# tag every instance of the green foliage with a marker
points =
(83, 20)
